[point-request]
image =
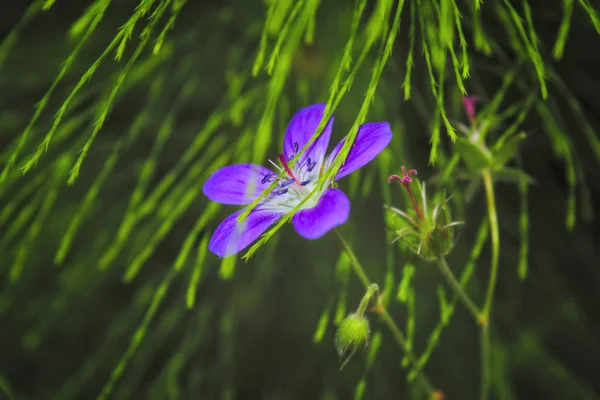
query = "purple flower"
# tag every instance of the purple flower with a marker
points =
(241, 184)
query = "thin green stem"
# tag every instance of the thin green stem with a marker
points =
(386, 317)
(458, 289)
(485, 332)
(485, 360)
(493, 217)
(358, 270)
(364, 303)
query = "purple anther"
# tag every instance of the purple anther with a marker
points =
(296, 147)
(311, 166)
(288, 182)
(266, 178)
(280, 192)
(306, 182)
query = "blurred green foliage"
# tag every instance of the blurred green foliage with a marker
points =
(113, 114)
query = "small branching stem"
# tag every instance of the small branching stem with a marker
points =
(458, 289)
(387, 319)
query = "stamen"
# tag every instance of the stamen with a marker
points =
(280, 192)
(266, 178)
(306, 182)
(311, 166)
(306, 164)
(276, 166)
(288, 182)
(296, 147)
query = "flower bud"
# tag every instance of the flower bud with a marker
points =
(427, 230)
(352, 333)
(441, 236)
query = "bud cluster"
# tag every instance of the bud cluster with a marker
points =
(427, 229)
(477, 155)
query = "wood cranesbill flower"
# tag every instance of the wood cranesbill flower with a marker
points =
(241, 184)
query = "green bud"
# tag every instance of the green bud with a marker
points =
(352, 333)
(441, 237)
(427, 230)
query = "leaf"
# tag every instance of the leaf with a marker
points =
(373, 349)
(513, 175)
(407, 273)
(321, 326)
(475, 156)
(227, 268)
(508, 150)
(444, 314)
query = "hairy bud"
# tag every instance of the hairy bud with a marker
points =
(352, 333)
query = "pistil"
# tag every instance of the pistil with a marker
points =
(287, 168)
(405, 180)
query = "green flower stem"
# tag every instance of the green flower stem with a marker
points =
(364, 303)
(493, 217)
(485, 331)
(458, 289)
(387, 319)
(485, 361)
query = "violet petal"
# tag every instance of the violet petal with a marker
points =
(370, 140)
(232, 236)
(332, 210)
(238, 184)
(299, 131)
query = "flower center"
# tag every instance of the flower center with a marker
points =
(287, 168)
(295, 181)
